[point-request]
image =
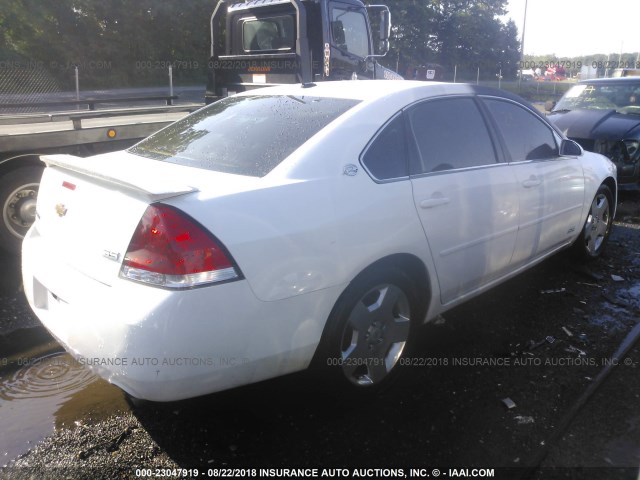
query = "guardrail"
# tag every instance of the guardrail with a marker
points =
(77, 117)
(92, 102)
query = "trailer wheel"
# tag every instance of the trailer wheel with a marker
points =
(18, 194)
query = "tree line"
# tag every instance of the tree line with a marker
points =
(132, 42)
(467, 34)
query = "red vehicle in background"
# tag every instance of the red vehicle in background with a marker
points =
(554, 74)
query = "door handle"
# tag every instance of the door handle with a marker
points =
(532, 182)
(434, 202)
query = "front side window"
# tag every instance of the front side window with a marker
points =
(263, 34)
(349, 30)
(525, 135)
(449, 134)
(245, 135)
(386, 157)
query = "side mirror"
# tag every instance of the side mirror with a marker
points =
(569, 148)
(549, 105)
(380, 17)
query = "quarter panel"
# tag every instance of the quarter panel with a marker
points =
(301, 236)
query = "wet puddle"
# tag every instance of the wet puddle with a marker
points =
(45, 389)
(619, 305)
(632, 294)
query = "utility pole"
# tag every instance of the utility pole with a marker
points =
(524, 27)
(620, 64)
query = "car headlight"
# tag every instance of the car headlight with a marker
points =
(611, 149)
(633, 149)
(619, 151)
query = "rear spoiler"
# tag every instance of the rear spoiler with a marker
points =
(119, 170)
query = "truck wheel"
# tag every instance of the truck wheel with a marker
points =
(595, 233)
(369, 332)
(18, 194)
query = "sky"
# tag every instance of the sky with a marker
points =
(571, 28)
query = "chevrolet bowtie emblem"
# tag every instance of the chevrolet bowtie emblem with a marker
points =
(61, 210)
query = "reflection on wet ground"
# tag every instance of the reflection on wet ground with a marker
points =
(41, 387)
(45, 389)
(44, 377)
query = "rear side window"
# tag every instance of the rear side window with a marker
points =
(386, 156)
(449, 133)
(243, 135)
(525, 135)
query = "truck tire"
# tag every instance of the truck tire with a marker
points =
(18, 194)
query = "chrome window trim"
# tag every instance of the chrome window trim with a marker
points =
(458, 170)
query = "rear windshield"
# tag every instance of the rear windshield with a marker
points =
(243, 135)
(274, 33)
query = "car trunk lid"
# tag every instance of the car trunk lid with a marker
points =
(89, 208)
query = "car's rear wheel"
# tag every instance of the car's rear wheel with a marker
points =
(597, 227)
(369, 332)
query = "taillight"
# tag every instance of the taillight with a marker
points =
(170, 249)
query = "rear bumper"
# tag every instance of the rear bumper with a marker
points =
(166, 345)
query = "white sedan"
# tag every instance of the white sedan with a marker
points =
(291, 226)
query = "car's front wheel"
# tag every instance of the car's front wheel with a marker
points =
(597, 227)
(369, 332)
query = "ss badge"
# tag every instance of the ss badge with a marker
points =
(111, 255)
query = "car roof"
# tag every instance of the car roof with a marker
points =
(357, 90)
(371, 90)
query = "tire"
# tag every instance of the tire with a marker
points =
(597, 227)
(370, 330)
(18, 194)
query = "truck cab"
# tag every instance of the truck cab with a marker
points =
(260, 43)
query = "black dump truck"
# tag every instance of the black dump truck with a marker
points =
(269, 42)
